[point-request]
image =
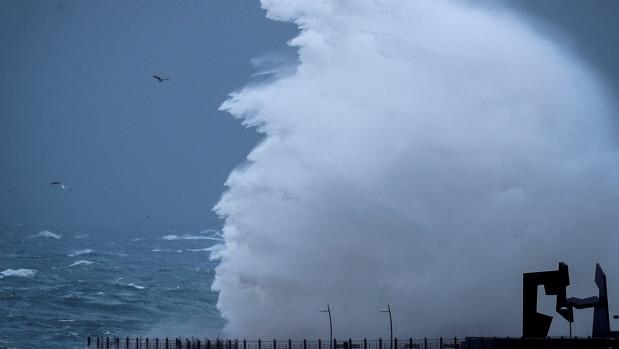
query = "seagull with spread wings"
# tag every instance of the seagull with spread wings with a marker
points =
(160, 79)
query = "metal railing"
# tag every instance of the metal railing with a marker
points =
(410, 343)
(206, 343)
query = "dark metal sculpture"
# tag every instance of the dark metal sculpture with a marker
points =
(555, 282)
(536, 325)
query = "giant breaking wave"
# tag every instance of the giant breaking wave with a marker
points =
(423, 154)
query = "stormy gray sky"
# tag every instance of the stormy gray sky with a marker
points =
(78, 103)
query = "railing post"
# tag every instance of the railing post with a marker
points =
(425, 342)
(259, 344)
(334, 344)
(440, 342)
(395, 343)
(289, 344)
(319, 344)
(146, 342)
(304, 343)
(365, 343)
(349, 343)
(274, 344)
(380, 343)
(456, 343)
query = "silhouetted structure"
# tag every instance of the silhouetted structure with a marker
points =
(536, 325)
(555, 282)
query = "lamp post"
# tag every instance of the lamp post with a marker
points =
(570, 318)
(388, 310)
(328, 310)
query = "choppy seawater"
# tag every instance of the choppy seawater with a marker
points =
(58, 287)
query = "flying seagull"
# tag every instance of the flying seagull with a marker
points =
(62, 186)
(160, 79)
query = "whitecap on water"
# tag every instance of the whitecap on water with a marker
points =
(80, 252)
(81, 262)
(47, 234)
(136, 286)
(28, 273)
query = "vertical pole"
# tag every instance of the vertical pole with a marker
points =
(394, 344)
(304, 343)
(334, 344)
(410, 342)
(440, 342)
(244, 344)
(365, 343)
(380, 343)
(274, 344)
(349, 343)
(390, 325)
(289, 344)
(319, 344)
(259, 344)
(425, 343)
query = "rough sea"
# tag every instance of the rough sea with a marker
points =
(58, 287)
